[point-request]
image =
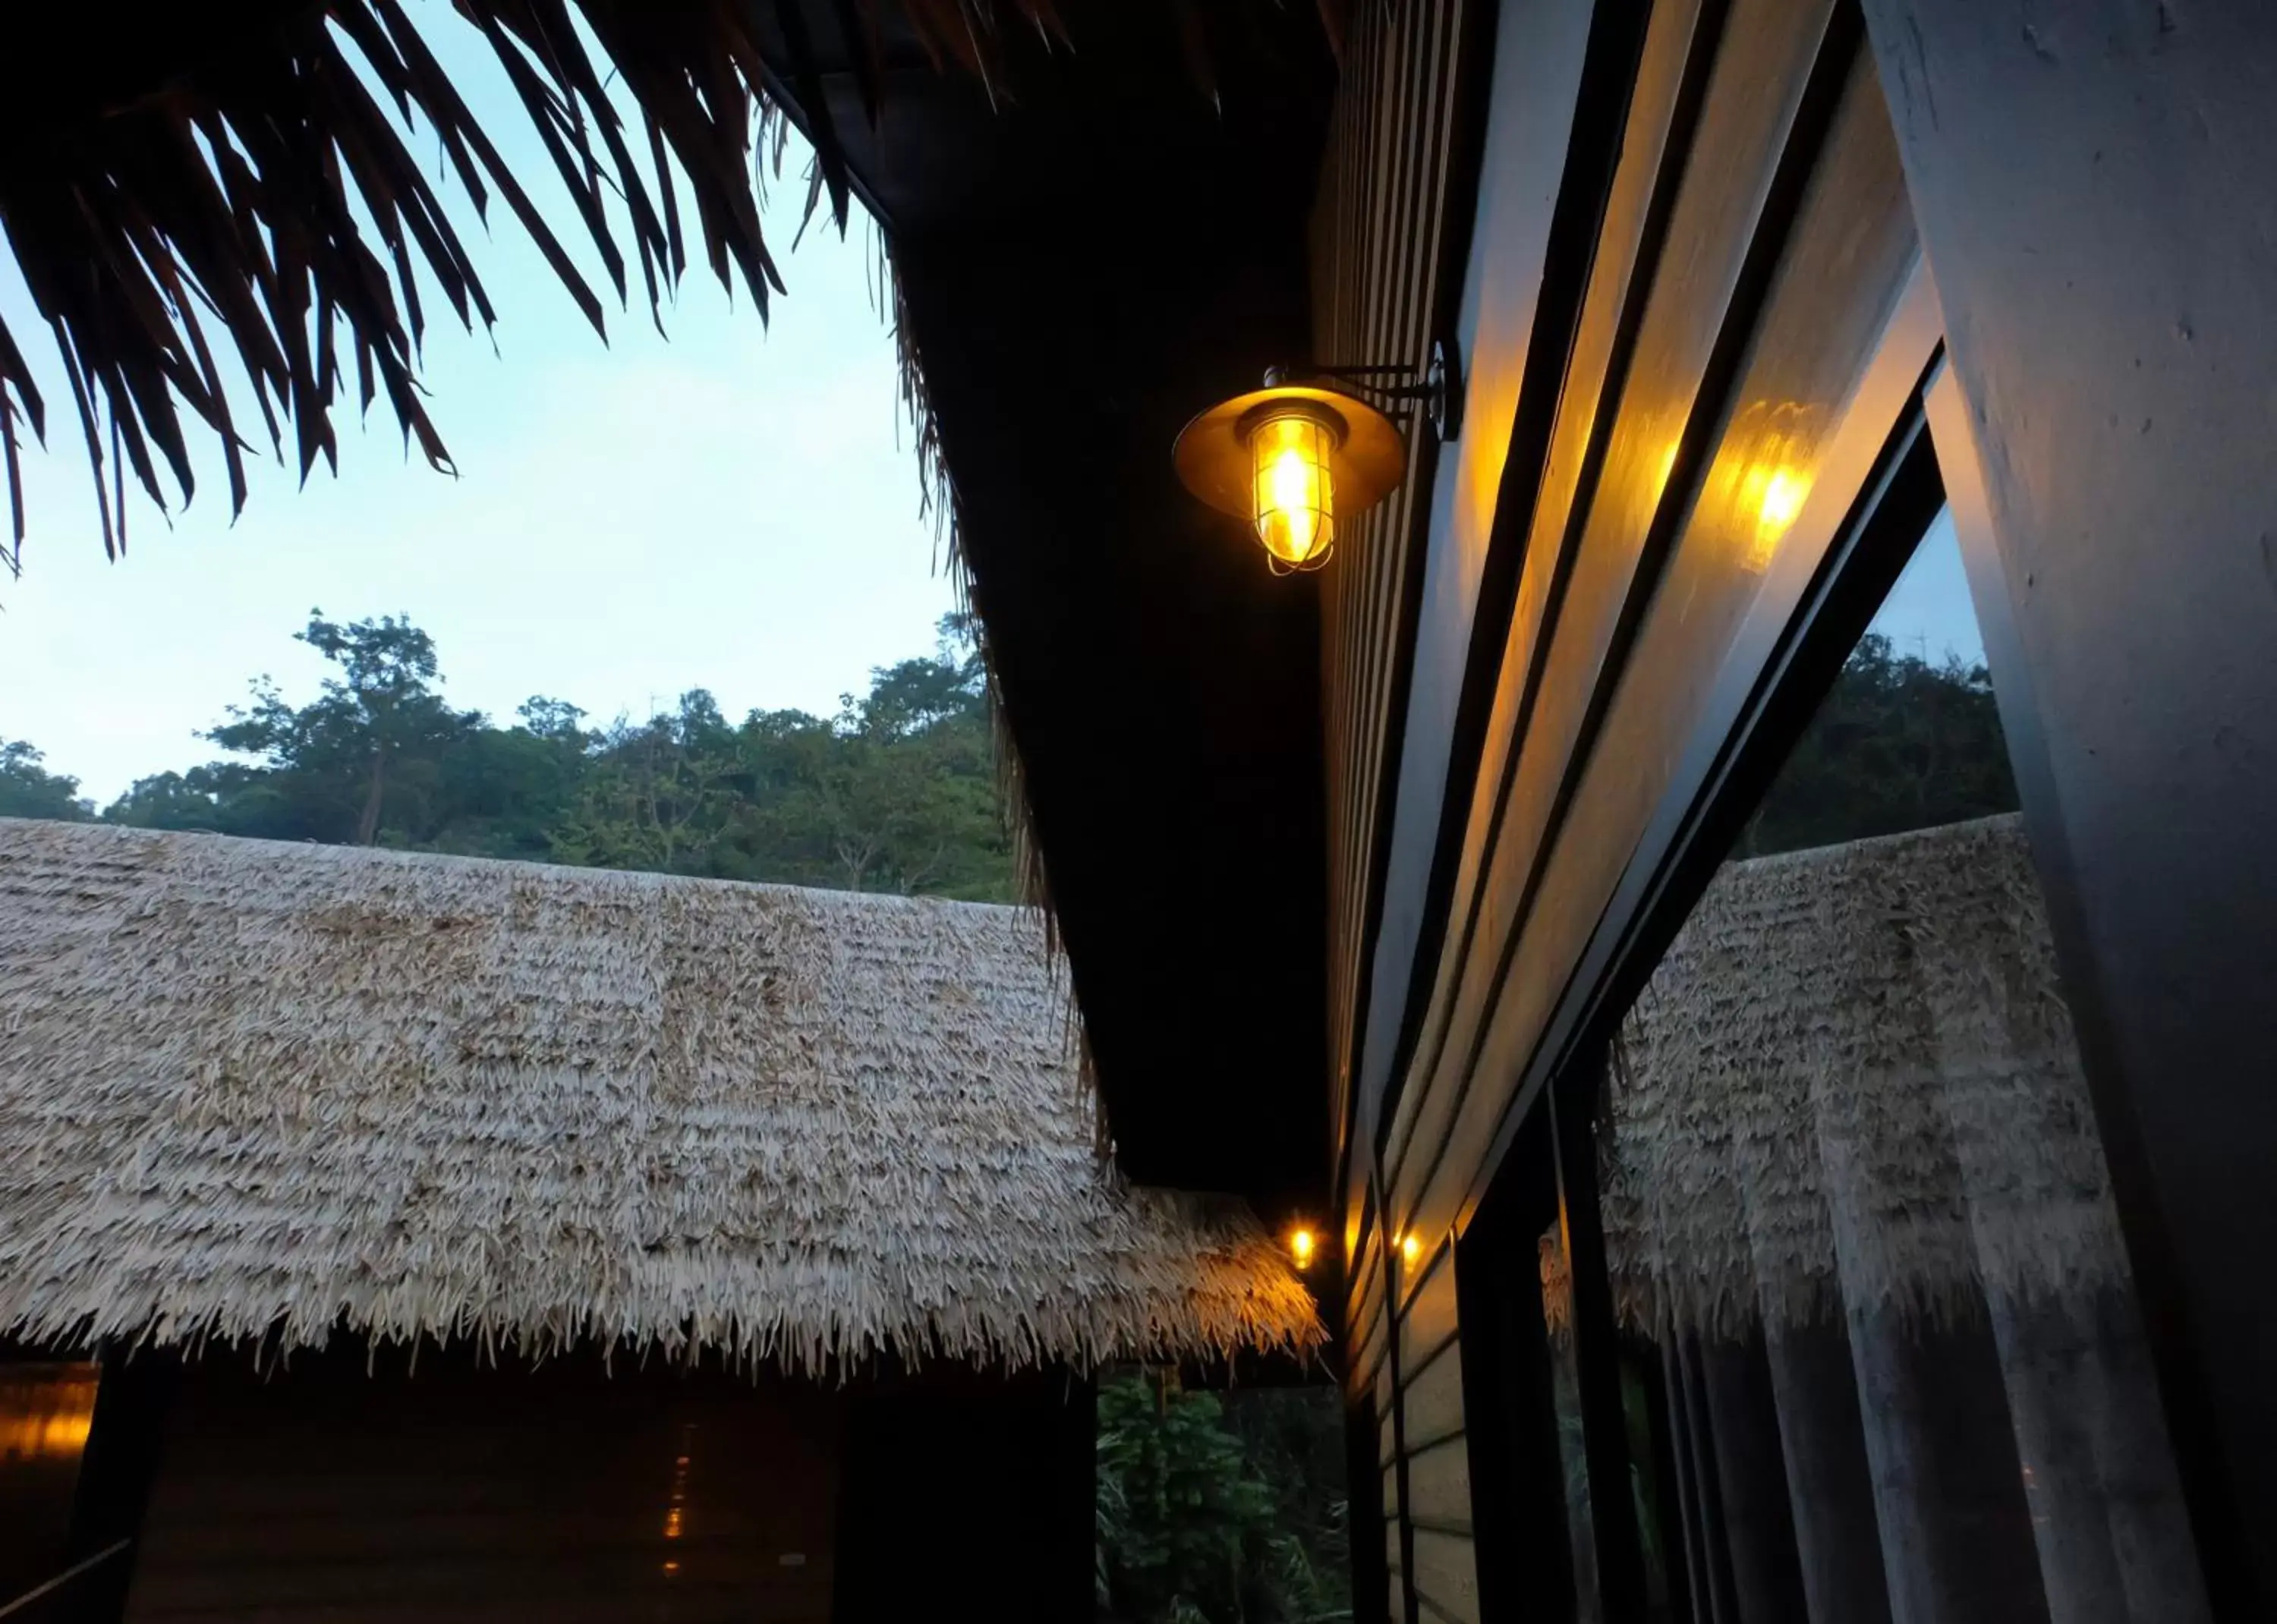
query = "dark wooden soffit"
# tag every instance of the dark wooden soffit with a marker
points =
(1124, 95)
(1085, 261)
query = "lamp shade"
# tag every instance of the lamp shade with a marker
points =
(1292, 460)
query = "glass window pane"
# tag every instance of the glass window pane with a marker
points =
(1910, 737)
(1856, 1200)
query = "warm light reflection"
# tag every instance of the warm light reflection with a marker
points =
(44, 1435)
(1295, 493)
(46, 1411)
(1767, 468)
(1774, 494)
(1666, 467)
(1301, 1247)
(1410, 1248)
(675, 1505)
(1782, 500)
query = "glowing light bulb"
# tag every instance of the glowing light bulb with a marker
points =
(1410, 1248)
(1301, 1247)
(1294, 491)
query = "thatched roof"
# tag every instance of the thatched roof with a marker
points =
(1853, 1081)
(259, 1090)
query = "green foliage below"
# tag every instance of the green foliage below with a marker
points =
(898, 792)
(1220, 1511)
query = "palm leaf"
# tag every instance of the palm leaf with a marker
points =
(221, 160)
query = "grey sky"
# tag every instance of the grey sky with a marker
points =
(735, 509)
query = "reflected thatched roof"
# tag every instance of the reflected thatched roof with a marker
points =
(252, 1090)
(1853, 1081)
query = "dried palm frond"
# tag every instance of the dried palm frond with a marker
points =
(216, 176)
(259, 1090)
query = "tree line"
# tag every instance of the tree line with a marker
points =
(896, 792)
(1899, 743)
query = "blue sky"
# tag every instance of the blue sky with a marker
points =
(736, 509)
(1927, 612)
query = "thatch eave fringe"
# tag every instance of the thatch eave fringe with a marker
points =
(255, 1093)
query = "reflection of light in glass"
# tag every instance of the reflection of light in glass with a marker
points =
(46, 1410)
(45, 1435)
(675, 1505)
(1782, 500)
(1774, 493)
(1766, 465)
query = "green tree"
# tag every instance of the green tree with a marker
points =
(192, 800)
(504, 791)
(1897, 744)
(656, 796)
(29, 790)
(909, 794)
(1179, 1511)
(368, 752)
(1294, 1439)
(898, 791)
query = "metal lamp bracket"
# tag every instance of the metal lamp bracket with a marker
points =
(1437, 388)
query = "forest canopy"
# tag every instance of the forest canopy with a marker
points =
(898, 791)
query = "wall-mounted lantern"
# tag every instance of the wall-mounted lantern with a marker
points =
(1302, 1244)
(1307, 450)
